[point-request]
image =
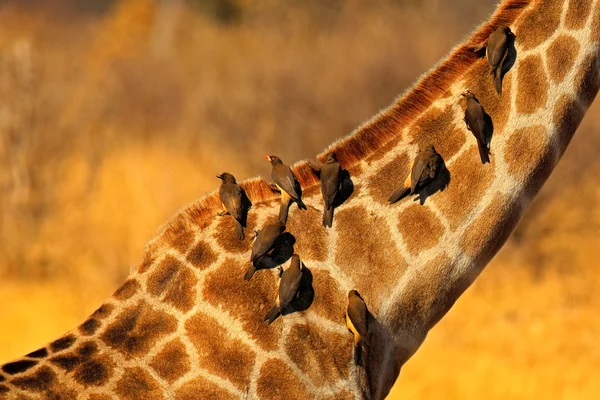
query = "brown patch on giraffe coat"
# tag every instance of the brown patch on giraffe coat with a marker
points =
(388, 178)
(89, 327)
(219, 353)
(42, 379)
(99, 397)
(63, 343)
(486, 234)
(420, 228)
(528, 155)
(532, 85)
(384, 149)
(577, 13)
(468, 184)
(587, 79)
(181, 292)
(95, 372)
(201, 256)
(172, 361)
(226, 236)
(128, 289)
(18, 367)
(367, 254)
(311, 236)
(60, 393)
(3, 389)
(323, 356)
(104, 311)
(135, 330)
(179, 237)
(40, 353)
(146, 263)
(137, 384)
(539, 23)
(278, 381)
(342, 395)
(480, 82)
(438, 127)
(567, 116)
(226, 288)
(329, 301)
(595, 34)
(161, 276)
(560, 57)
(202, 387)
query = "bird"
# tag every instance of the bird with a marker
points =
(263, 243)
(357, 322)
(230, 194)
(331, 178)
(425, 167)
(288, 185)
(475, 120)
(289, 286)
(496, 49)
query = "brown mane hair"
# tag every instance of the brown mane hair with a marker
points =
(367, 138)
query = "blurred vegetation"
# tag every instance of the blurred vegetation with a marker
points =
(116, 113)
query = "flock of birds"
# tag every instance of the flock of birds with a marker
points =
(425, 168)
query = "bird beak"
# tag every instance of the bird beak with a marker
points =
(220, 176)
(267, 158)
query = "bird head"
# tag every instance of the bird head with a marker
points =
(354, 293)
(296, 259)
(507, 31)
(226, 177)
(331, 158)
(273, 159)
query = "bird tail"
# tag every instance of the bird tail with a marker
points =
(357, 353)
(272, 314)
(283, 212)
(301, 205)
(483, 153)
(498, 81)
(250, 272)
(239, 229)
(327, 216)
(399, 195)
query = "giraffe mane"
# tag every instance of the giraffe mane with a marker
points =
(365, 139)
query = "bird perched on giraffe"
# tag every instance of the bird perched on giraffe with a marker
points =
(289, 287)
(475, 118)
(288, 185)
(232, 198)
(424, 169)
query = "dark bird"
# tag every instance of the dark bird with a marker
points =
(357, 322)
(231, 196)
(331, 179)
(425, 167)
(288, 185)
(288, 288)
(496, 49)
(263, 243)
(475, 120)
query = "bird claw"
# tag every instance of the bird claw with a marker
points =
(273, 187)
(222, 213)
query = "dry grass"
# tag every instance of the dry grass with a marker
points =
(116, 115)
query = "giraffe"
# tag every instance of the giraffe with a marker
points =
(185, 325)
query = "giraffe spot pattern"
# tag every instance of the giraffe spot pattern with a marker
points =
(278, 381)
(437, 127)
(137, 328)
(89, 327)
(227, 238)
(389, 177)
(99, 397)
(366, 253)
(18, 367)
(181, 292)
(323, 356)
(127, 289)
(94, 372)
(40, 353)
(172, 361)
(226, 288)
(595, 34)
(3, 389)
(42, 379)
(539, 23)
(179, 237)
(104, 311)
(577, 13)
(146, 263)
(201, 256)
(329, 301)
(487, 233)
(311, 236)
(560, 57)
(532, 85)
(200, 388)
(137, 384)
(62, 343)
(342, 395)
(480, 82)
(468, 183)
(162, 275)
(382, 151)
(567, 115)
(420, 228)
(587, 79)
(218, 353)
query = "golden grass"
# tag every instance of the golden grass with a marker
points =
(113, 120)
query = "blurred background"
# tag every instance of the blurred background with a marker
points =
(114, 114)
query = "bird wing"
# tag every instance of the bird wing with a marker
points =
(330, 182)
(497, 46)
(418, 169)
(357, 311)
(288, 286)
(286, 180)
(264, 242)
(231, 196)
(475, 120)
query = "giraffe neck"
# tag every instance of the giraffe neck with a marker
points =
(186, 322)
